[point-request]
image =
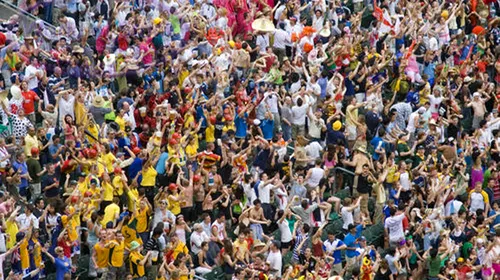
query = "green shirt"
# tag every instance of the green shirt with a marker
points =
(434, 266)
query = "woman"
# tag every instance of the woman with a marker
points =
(181, 228)
(70, 131)
(179, 266)
(382, 270)
(20, 124)
(199, 261)
(74, 74)
(227, 255)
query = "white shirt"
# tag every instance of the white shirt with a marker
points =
(295, 87)
(404, 181)
(395, 226)
(275, 261)
(286, 234)
(24, 221)
(347, 217)
(250, 193)
(280, 39)
(411, 127)
(262, 42)
(316, 175)
(331, 246)
(476, 202)
(435, 102)
(272, 102)
(265, 192)
(313, 150)
(66, 107)
(33, 81)
(299, 114)
(196, 239)
(220, 229)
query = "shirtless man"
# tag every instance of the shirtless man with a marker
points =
(257, 219)
(477, 104)
(359, 159)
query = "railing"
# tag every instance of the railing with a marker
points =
(26, 20)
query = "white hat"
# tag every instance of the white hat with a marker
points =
(421, 110)
(467, 79)
(109, 59)
(476, 94)
(256, 122)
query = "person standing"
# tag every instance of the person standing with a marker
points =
(137, 261)
(35, 171)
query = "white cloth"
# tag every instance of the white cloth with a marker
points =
(275, 261)
(286, 234)
(280, 39)
(299, 114)
(24, 221)
(33, 81)
(395, 226)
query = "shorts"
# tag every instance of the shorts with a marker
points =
(352, 134)
(286, 245)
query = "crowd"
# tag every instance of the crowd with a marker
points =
(261, 139)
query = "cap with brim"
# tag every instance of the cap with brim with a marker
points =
(351, 226)
(82, 174)
(337, 125)
(78, 49)
(361, 149)
(476, 94)
(325, 32)
(467, 79)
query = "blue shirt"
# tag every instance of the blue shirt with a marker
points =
(134, 168)
(241, 126)
(376, 142)
(337, 254)
(267, 127)
(52, 151)
(21, 169)
(350, 241)
(160, 166)
(62, 267)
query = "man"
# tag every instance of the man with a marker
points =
(68, 26)
(197, 238)
(351, 118)
(477, 104)
(219, 229)
(32, 73)
(359, 160)
(274, 259)
(351, 243)
(54, 86)
(240, 246)
(281, 38)
(35, 171)
(333, 247)
(50, 186)
(61, 262)
(241, 59)
(21, 168)
(478, 199)
(111, 214)
(27, 219)
(116, 263)
(393, 227)
(100, 253)
(30, 140)
(153, 247)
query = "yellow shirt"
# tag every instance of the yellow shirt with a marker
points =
(37, 252)
(174, 206)
(94, 131)
(80, 114)
(107, 191)
(188, 120)
(29, 142)
(24, 254)
(351, 114)
(83, 187)
(240, 248)
(210, 133)
(108, 160)
(117, 186)
(95, 196)
(149, 177)
(72, 232)
(180, 248)
(110, 213)
(102, 255)
(142, 219)
(130, 233)
(226, 127)
(116, 253)
(133, 199)
(136, 269)
(11, 230)
(121, 123)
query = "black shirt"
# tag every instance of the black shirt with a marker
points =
(49, 180)
(364, 186)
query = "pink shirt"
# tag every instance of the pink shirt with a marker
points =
(148, 58)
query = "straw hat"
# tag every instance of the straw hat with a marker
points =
(361, 149)
(263, 25)
(98, 101)
(109, 59)
(325, 32)
(78, 49)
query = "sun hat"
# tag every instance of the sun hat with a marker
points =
(263, 24)
(98, 101)
(337, 125)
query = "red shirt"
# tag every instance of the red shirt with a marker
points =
(29, 101)
(66, 247)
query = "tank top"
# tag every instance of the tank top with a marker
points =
(316, 175)
(317, 249)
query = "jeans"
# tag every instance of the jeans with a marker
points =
(287, 131)
(47, 10)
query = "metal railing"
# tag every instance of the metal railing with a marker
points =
(26, 20)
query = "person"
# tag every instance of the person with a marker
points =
(62, 263)
(137, 261)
